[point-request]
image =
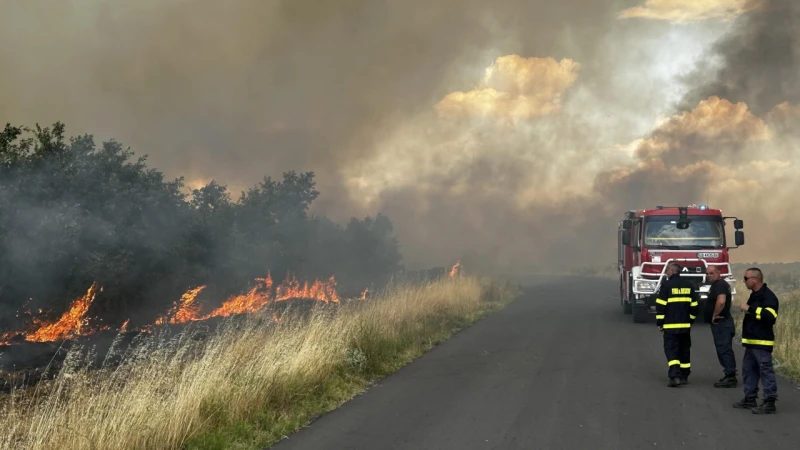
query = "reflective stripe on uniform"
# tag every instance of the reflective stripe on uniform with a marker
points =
(659, 316)
(759, 309)
(674, 362)
(686, 365)
(661, 302)
(758, 342)
(692, 317)
(679, 299)
(677, 325)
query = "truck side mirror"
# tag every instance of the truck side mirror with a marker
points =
(739, 236)
(626, 237)
(738, 224)
(626, 225)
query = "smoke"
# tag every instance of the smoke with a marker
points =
(511, 135)
(736, 123)
(683, 11)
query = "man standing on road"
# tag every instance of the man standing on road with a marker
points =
(676, 311)
(758, 339)
(717, 312)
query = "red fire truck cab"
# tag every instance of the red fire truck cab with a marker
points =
(648, 239)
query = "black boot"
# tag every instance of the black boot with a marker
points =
(674, 382)
(746, 403)
(768, 407)
(728, 381)
(684, 380)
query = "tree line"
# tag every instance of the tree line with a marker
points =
(73, 212)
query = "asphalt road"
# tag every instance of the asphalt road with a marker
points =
(560, 368)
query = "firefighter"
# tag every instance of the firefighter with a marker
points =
(676, 311)
(717, 312)
(758, 340)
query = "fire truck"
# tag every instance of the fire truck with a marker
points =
(649, 239)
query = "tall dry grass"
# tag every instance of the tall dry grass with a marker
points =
(249, 382)
(787, 335)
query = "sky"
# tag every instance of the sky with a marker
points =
(511, 135)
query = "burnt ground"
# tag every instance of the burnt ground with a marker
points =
(560, 368)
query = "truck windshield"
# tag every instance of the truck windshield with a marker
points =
(703, 232)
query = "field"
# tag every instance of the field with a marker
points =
(253, 380)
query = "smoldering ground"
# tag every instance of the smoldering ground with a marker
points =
(525, 167)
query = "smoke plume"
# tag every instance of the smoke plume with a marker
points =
(510, 135)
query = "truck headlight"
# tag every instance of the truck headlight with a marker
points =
(645, 285)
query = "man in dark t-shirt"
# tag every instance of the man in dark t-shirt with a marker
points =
(717, 312)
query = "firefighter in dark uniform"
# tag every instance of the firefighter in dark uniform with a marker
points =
(676, 311)
(758, 340)
(718, 313)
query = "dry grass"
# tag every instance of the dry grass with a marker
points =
(248, 384)
(787, 336)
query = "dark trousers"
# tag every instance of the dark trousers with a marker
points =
(757, 365)
(723, 332)
(677, 348)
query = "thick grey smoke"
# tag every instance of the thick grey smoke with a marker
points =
(757, 63)
(390, 104)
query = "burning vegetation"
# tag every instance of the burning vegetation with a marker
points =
(178, 390)
(77, 321)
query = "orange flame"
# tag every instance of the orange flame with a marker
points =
(184, 310)
(72, 323)
(324, 292)
(253, 301)
(456, 270)
(5, 338)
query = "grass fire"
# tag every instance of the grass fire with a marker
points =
(264, 373)
(76, 321)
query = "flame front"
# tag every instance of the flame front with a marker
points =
(184, 310)
(456, 270)
(251, 302)
(72, 323)
(324, 292)
(75, 322)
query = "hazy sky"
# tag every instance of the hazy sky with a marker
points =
(509, 134)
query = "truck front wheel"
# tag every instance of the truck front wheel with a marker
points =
(640, 312)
